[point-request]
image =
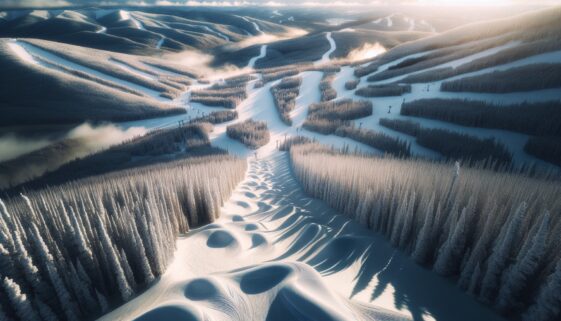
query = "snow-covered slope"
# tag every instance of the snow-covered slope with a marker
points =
(276, 254)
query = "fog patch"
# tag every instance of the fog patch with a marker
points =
(12, 146)
(97, 138)
(367, 51)
(48, 155)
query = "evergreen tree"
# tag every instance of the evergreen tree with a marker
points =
(21, 304)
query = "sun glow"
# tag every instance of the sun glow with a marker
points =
(465, 2)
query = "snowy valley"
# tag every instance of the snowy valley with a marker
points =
(255, 162)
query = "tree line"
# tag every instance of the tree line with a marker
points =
(74, 251)
(251, 133)
(284, 95)
(494, 233)
(454, 145)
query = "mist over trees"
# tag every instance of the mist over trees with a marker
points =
(73, 251)
(491, 232)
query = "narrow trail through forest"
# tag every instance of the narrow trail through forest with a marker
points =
(277, 254)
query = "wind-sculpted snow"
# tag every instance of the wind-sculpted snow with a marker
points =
(276, 254)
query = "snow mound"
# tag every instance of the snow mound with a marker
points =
(171, 312)
(221, 239)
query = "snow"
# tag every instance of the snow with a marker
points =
(255, 25)
(26, 51)
(163, 71)
(277, 254)
(411, 23)
(428, 25)
(131, 70)
(101, 30)
(125, 15)
(20, 51)
(332, 47)
(454, 63)
(337, 21)
(262, 54)
(160, 42)
(512, 140)
(219, 34)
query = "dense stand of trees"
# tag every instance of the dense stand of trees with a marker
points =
(454, 145)
(227, 97)
(284, 95)
(325, 86)
(541, 118)
(495, 233)
(72, 252)
(326, 117)
(276, 75)
(545, 147)
(251, 133)
(525, 78)
(386, 143)
(351, 84)
(401, 125)
(217, 117)
(385, 90)
(287, 143)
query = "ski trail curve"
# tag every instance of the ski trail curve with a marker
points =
(332, 47)
(277, 254)
(262, 54)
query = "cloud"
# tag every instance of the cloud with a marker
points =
(12, 146)
(51, 154)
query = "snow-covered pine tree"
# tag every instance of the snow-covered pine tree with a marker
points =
(424, 240)
(499, 258)
(21, 304)
(483, 243)
(449, 256)
(517, 277)
(547, 306)
(124, 288)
